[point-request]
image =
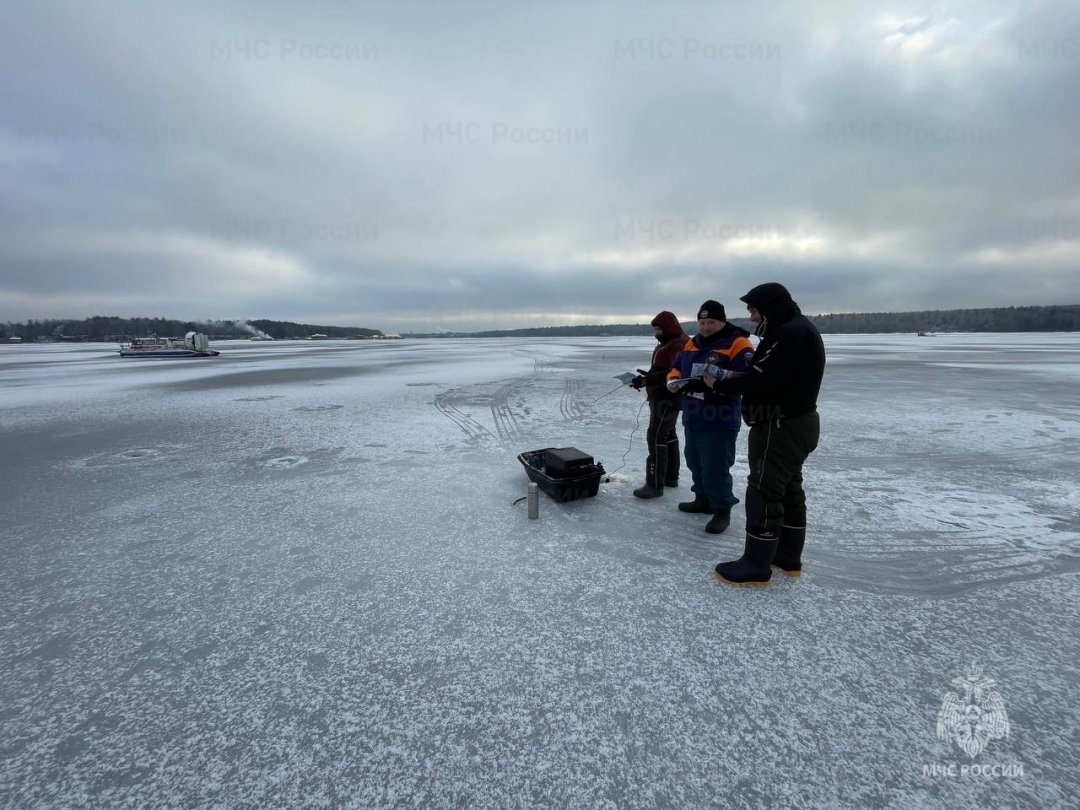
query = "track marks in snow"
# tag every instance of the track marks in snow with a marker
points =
(937, 538)
(933, 568)
(506, 425)
(444, 402)
(541, 362)
(502, 415)
(569, 405)
(515, 407)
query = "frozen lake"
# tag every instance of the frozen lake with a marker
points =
(293, 576)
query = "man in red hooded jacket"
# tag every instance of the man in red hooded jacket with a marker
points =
(662, 465)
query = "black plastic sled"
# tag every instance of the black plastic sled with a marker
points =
(563, 473)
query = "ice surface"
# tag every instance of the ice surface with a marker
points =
(292, 575)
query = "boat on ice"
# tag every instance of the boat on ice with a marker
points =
(193, 344)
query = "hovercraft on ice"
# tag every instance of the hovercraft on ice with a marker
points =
(193, 344)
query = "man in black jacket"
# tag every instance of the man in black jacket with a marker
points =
(780, 406)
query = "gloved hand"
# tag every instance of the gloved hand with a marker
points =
(695, 386)
(637, 383)
(721, 373)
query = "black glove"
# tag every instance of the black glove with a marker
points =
(637, 383)
(694, 386)
(722, 386)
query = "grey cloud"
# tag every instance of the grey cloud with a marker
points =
(385, 164)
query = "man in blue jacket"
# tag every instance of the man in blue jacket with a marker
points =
(711, 420)
(780, 405)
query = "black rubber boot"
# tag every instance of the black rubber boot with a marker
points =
(720, 520)
(753, 567)
(671, 478)
(789, 550)
(654, 475)
(699, 504)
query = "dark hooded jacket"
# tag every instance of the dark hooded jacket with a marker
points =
(671, 340)
(788, 364)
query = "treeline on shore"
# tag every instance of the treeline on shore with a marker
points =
(113, 328)
(287, 330)
(1064, 318)
(999, 319)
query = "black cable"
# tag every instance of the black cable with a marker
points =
(637, 424)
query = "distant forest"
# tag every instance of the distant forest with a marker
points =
(112, 328)
(1064, 318)
(1001, 319)
(284, 330)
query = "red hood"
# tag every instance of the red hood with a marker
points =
(668, 324)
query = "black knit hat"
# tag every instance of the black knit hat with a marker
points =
(713, 310)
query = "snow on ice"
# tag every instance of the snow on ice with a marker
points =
(294, 575)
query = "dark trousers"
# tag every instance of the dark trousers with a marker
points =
(662, 419)
(709, 455)
(774, 491)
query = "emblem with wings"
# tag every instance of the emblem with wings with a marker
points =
(974, 714)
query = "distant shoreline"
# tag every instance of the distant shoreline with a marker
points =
(109, 329)
(465, 336)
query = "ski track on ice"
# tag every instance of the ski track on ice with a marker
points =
(444, 402)
(501, 413)
(569, 406)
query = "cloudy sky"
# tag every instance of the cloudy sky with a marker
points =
(433, 165)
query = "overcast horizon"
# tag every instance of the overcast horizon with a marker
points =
(421, 167)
